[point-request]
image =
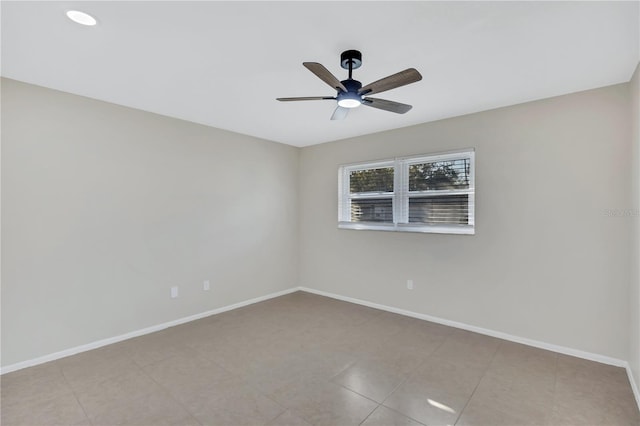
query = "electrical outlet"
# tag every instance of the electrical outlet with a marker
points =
(206, 286)
(409, 284)
(174, 292)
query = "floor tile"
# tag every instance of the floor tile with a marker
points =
(510, 399)
(589, 375)
(32, 384)
(373, 379)
(62, 409)
(427, 403)
(88, 368)
(111, 394)
(270, 374)
(155, 408)
(403, 358)
(453, 377)
(592, 400)
(232, 402)
(186, 373)
(384, 416)
(482, 415)
(522, 356)
(151, 348)
(466, 347)
(288, 419)
(324, 403)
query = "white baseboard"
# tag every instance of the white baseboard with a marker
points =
(500, 335)
(148, 330)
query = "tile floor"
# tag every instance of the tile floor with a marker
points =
(303, 359)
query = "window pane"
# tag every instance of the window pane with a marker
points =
(451, 174)
(371, 180)
(372, 210)
(443, 209)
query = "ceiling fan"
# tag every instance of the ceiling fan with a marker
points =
(351, 93)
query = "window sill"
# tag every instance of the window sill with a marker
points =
(403, 227)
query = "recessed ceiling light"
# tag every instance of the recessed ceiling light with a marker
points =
(81, 18)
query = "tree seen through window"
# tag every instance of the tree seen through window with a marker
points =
(439, 175)
(371, 180)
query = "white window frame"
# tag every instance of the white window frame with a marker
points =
(401, 194)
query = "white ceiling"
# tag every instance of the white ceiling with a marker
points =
(223, 63)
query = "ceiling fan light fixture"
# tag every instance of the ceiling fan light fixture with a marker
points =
(349, 100)
(350, 92)
(349, 103)
(81, 18)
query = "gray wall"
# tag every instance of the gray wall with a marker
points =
(104, 208)
(634, 293)
(547, 262)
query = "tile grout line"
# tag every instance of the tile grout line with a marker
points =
(351, 364)
(239, 376)
(402, 382)
(141, 370)
(284, 408)
(406, 379)
(165, 389)
(73, 392)
(479, 381)
(410, 373)
(248, 383)
(369, 415)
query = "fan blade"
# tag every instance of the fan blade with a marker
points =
(408, 76)
(324, 75)
(386, 105)
(340, 113)
(305, 98)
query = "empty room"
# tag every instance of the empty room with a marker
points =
(320, 213)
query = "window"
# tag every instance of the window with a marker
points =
(428, 193)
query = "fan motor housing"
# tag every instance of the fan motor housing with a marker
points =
(351, 85)
(351, 96)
